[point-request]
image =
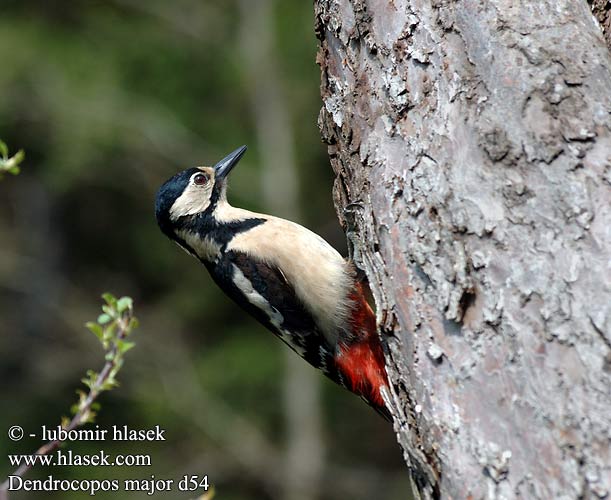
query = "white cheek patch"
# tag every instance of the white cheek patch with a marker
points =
(193, 200)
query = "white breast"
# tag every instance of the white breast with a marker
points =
(320, 276)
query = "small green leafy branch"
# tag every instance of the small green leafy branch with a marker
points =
(112, 328)
(9, 164)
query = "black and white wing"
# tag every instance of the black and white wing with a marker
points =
(263, 291)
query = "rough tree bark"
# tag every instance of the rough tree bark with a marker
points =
(472, 145)
(602, 11)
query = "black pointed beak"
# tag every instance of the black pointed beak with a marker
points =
(223, 167)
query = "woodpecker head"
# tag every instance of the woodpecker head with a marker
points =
(196, 191)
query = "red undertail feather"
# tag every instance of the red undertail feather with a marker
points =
(361, 361)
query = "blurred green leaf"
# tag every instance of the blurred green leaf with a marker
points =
(110, 299)
(125, 346)
(124, 303)
(95, 328)
(104, 318)
(10, 165)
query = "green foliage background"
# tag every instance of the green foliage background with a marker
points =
(110, 98)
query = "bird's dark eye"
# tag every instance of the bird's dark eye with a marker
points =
(200, 179)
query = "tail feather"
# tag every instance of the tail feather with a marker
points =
(360, 358)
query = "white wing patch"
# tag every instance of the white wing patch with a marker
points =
(257, 300)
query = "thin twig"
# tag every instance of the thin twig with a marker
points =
(85, 411)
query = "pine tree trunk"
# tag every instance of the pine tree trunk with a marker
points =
(472, 145)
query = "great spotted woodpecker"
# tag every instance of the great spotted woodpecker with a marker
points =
(287, 277)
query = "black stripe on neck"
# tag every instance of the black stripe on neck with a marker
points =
(220, 232)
